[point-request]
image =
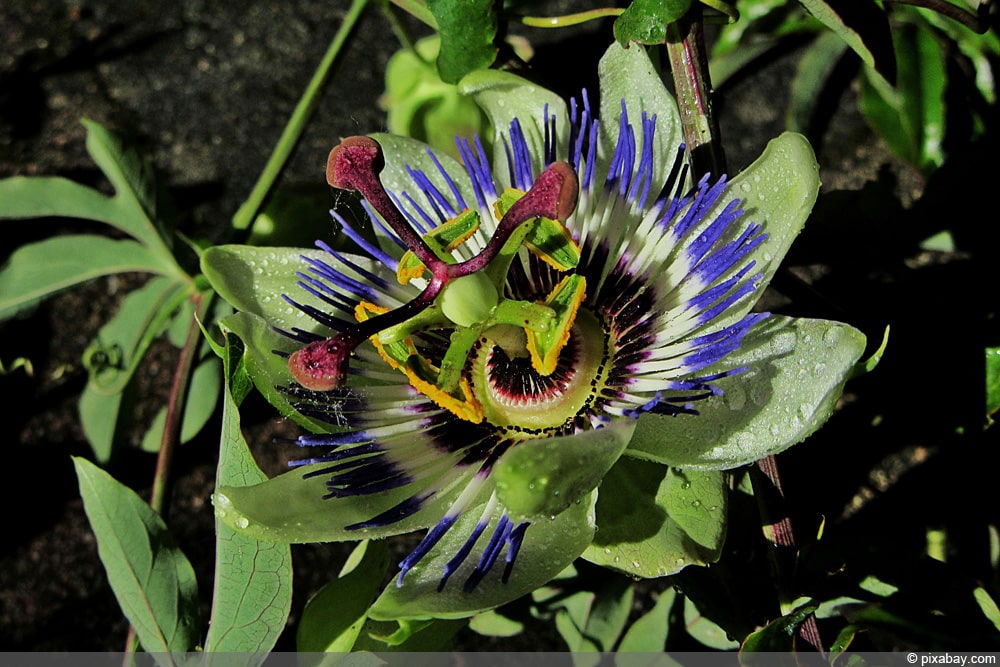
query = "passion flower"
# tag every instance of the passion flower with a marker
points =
(513, 328)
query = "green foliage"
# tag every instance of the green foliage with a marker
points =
(468, 29)
(253, 578)
(645, 21)
(913, 63)
(153, 581)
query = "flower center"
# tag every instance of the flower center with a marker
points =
(463, 296)
(515, 395)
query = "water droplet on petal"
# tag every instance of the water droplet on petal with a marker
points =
(735, 398)
(805, 411)
(832, 336)
(745, 187)
(242, 522)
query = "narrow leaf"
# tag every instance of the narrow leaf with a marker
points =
(131, 174)
(38, 270)
(153, 581)
(863, 25)
(649, 633)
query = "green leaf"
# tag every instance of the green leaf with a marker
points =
(910, 116)
(113, 357)
(628, 74)
(988, 606)
(131, 174)
(656, 520)
(992, 381)
(493, 624)
(609, 613)
(199, 406)
(467, 29)
(863, 25)
(422, 106)
(56, 197)
(99, 417)
(410, 637)
(705, 630)
(548, 547)
(649, 633)
(542, 477)
(796, 371)
(253, 578)
(333, 618)
(777, 636)
(38, 270)
(811, 76)
(645, 21)
(152, 580)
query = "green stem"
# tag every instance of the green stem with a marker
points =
(296, 124)
(978, 23)
(569, 19)
(693, 86)
(172, 428)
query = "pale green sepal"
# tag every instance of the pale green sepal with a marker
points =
(778, 192)
(796, 372)
(549, 546)
(504, 97)
(268, 370)
(401, 153)
(537, 479)
(653, 520)
(289, 508)
(253, 279)
(628, 74)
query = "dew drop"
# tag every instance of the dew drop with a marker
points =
(819, 368)
(696, 503)
(242, 522)
(679, 562)
(775, 430)
(756, 178)
(607, 551)
(745, 187)
(635, 564)
(735, 397)
(686, 485)
(618, 559)
(832, 336)
(805, 411)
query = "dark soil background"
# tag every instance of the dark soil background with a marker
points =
(205, 89)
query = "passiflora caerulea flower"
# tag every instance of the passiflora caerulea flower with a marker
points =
(546, 356)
